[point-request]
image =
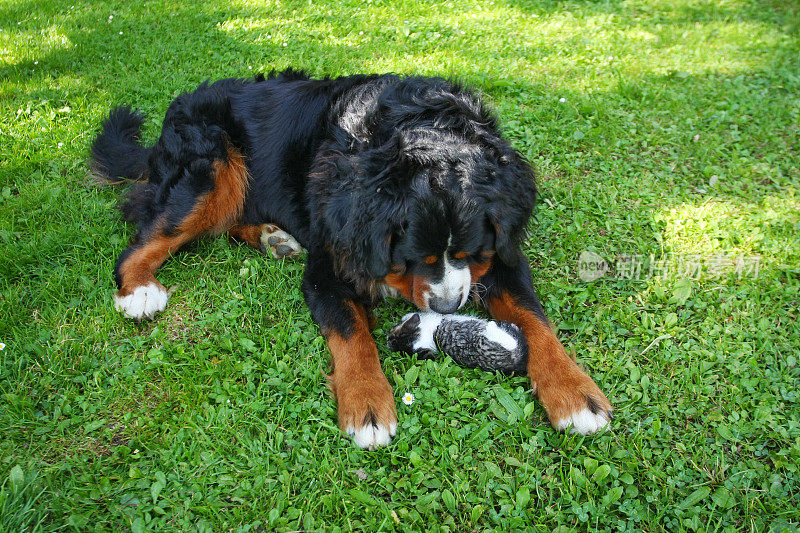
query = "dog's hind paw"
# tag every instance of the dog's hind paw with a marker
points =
(143, 303)
(279, 243)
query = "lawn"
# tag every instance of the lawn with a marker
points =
(667, 128)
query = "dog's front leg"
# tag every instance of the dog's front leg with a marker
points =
(364, 397)
(571, 398)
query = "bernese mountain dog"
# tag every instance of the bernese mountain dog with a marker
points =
(390, 185)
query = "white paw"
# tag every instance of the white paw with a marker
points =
(144, 302)
(371, 436)
(584, 422)
(279, 243)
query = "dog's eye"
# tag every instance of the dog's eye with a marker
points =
(431, 259)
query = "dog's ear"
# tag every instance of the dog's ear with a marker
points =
(377, 252)
(357, 209)
(512, 204)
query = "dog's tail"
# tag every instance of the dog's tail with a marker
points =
(117, 155)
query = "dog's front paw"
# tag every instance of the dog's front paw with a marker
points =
(372, 435)
(143, 302)
(367, 411)
(576, 404)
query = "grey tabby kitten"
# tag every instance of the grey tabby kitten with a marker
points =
(471, 342)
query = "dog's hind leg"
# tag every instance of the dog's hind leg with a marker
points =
(140, 295)
(268, 238)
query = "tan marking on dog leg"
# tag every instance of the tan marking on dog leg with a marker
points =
(248, 234)
(363, 394)
(571, 398)
(141, 295)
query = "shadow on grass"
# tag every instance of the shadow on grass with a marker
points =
(591, 146)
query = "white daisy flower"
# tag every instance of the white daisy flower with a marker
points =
(562, 99)
(2, 346)
(408, 398)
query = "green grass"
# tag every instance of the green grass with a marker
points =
(215, 417)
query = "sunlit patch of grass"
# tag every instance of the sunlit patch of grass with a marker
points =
(32, 45)
(765, 227)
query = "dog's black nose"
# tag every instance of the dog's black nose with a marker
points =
(444, 307)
